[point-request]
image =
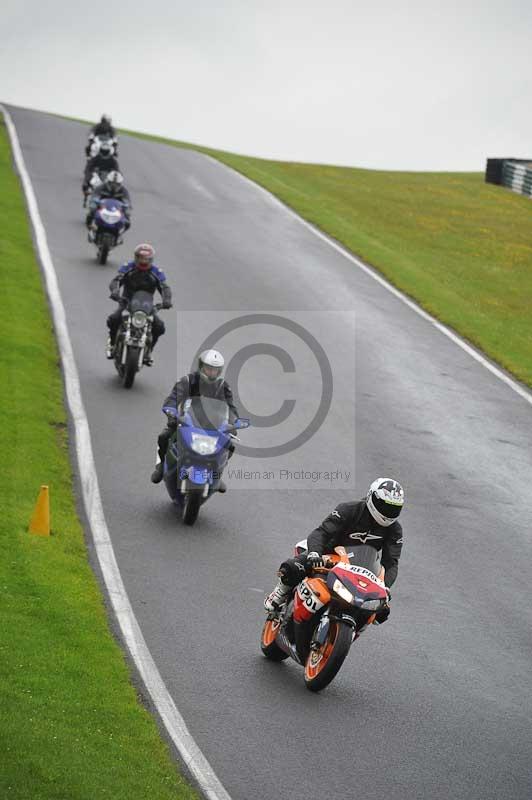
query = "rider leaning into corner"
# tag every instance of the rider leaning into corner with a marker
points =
(371, 521)
(138, 275)
(206, 381)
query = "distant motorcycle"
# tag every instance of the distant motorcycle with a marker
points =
(107, 227)
(95, 142)
(134, 336)
(326, 613)
(198, 453)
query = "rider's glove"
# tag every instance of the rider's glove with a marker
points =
(314, 560)
(171, 417)
(167, 304)
(114, 296)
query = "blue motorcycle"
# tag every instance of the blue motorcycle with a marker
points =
(198, 452)
(107, 227)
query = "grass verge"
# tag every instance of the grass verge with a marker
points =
(461, 248)
(72, 724)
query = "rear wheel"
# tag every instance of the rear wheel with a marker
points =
(323, 664)
(130, 367)
(191, 507)
(268, 645)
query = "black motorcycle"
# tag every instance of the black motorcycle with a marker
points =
(134, 337)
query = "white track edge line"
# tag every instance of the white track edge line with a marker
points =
(174, 723)
(452, 335)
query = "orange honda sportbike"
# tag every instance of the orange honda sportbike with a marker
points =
(326, 612)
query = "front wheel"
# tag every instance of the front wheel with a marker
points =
(191, 507)
(103, 252)
(323, 664)
(268, 645)
(130, 367)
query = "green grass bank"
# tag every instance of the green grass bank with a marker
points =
(461, 248)
(72, 726)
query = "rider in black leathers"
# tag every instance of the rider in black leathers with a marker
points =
(371, 521)
(207, 381)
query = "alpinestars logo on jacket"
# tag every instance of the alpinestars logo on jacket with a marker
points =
(364, 537)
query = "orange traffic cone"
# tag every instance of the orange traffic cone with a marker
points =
(40, 521)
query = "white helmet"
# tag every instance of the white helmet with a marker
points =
(114, 180)
(210, 365)
(384, 500)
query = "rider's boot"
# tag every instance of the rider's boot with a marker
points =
(157, 474)
(278, 596)
(109, 349)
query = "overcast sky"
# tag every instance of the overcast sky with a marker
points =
(434, 85)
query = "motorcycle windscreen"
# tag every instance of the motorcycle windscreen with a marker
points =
(141, 301)
(110, 212)
(111, 204)
(360, 582)
(207, 413)
(364, 555)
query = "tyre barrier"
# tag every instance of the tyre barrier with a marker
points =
(514, 173)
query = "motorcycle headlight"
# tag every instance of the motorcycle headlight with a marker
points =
(342, 592)
(204, 445)
(139, 319)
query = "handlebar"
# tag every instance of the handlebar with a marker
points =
(180, 419)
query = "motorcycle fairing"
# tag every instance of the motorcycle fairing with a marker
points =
(181, 463)
(197, 475)
(361, 582)
(310, 596)
(110, 214)
(187, 432)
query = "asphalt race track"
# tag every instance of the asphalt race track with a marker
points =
(435, 704)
